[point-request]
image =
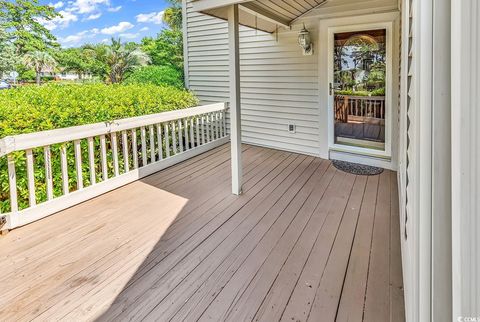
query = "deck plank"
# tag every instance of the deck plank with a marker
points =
(256, 290)
(239, 268)
(377, 297)
(212, 249)
(274, 303)
(302, 298)
(353, 295)
(98, 251)
(172, 242)
(220, 223)
(330, 288)
(80, 237)
(397, 304)
(304, 241)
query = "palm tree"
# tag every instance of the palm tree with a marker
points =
(120, 59)
(39, 61)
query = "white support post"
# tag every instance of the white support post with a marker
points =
(235, 121)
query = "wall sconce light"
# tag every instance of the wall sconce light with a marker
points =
(305, 41)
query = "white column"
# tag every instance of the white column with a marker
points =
(235, 122)
(465, 159)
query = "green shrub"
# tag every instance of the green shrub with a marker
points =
(36, 108)
(352, 93)
(156, 75)
(47, 78)
(376, 92)
(27, 75)
(379, 92)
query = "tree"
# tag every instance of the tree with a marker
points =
(76, 60)
(172, 16)
(22, 20)
(120, 59)
(39, 61)
(166, 49)
(8, 59)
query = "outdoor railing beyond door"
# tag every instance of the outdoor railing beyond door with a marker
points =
(45, 172)
(362, 108)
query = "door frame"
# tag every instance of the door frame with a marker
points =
(388, 21)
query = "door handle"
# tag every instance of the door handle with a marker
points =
(330, 88)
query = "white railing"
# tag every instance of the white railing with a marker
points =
(52, 170)
(359, 107)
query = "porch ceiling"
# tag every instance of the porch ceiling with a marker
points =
(264, 15)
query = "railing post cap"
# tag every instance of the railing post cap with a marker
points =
(7, 145)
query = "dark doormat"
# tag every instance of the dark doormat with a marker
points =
(357, 169)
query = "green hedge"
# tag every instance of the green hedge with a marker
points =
(156, 75)
(32, 108)
(376, 92)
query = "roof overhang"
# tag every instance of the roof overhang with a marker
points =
(260, 14)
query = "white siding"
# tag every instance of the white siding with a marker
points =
(466, 158)
(279, 86)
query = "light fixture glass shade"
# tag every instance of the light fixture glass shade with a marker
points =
(305, 41)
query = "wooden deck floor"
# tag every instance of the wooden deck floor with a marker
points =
(304, 242)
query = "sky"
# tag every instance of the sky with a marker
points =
(95, 21)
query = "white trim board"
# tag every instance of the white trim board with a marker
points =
(362, 159)
(327, 27)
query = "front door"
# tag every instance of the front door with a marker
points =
(358, 86)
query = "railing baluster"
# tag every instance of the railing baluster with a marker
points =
(211, 129)
(32, 201)
(152, 144)
(126, 161)
(159, 141)
(143, 138)
(180, 135)
(192, 137)
(207, 124)
(134, 149)
(185, 124)
(47, 155)
(103, 157)
(203, 129)
(220, 127)
(116, 169)
(91, 160)
(174, 139)
(167, 141)
(217, 127)
(12, 180)
(197, 130)
(78, 163)
(225, 132)
(64, 166)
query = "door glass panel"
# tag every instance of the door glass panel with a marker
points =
(359, 88)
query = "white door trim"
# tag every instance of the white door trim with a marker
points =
(327, 28)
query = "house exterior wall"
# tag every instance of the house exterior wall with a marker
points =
(279, 85)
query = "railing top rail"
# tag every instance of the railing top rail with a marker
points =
(40, 139)
(371, 98)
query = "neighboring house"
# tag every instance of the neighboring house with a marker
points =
(424, 125)
(64, 75)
